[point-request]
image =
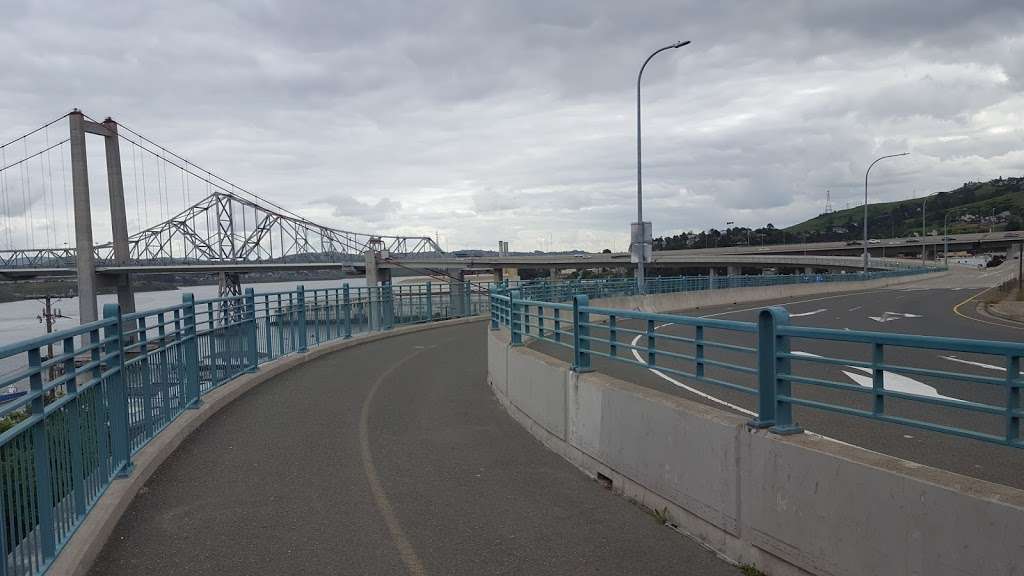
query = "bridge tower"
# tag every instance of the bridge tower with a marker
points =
(86, 262)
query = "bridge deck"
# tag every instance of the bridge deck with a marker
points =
(388, 459)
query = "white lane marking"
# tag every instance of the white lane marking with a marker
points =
(972, 363)
(890, 316)
(811, 313)
(790, 303)
(854, 308)
(690, 389)
(893, 381)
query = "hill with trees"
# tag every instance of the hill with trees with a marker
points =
(974, 207)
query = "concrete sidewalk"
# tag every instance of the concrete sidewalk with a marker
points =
(390, 458)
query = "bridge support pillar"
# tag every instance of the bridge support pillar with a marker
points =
(734, 271)
(712, 278)
(118, 217)
(458, 293)
(375, 275)
(499, 275)
(85, 262)
(809, 270)
(228, 284)
(553, 273)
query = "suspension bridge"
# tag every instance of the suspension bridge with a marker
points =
(186, 218)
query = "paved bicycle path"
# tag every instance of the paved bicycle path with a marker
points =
(389, 458)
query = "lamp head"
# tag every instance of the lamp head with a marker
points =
(680, 44)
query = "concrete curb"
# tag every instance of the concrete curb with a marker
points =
(79, 554)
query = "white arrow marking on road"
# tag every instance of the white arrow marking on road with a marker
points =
(893, 381)
(812, 313)
(972, 363)
(890, 316)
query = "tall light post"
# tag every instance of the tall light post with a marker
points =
(640, 233)
(945, 238)
(866, 203)
(924, 234)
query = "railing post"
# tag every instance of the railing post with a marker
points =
(558, 325)
(698, 356)
(1013, 398)
(772, 367)
(651, 354)
(613, 336)
(878, 379)
(346, 299)
(41, 452)
(515, 326)
(494, 308)
(580, 334)
(141, 338)
(467, 298)
(191, 343)
(300, 303)
(430, 302)
(388, 303)
(250, 318)
(117, 392)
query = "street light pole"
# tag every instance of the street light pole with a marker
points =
(924, 234)
(639, 180)
(866, 203)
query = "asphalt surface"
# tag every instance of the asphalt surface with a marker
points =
(925, 307)
(389, 458)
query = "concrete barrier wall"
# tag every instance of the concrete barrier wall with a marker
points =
(658, 303)
(788, 505)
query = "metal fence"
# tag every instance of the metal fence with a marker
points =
(775, 366)
(96, 394)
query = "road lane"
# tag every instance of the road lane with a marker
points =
(918, 308)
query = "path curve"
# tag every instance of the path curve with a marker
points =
(388, 458)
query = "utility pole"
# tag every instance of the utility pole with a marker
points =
(49, 316)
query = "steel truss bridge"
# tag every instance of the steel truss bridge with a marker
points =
(226, 229)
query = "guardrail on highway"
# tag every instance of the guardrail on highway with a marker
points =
(770, 361)
(562, 291)
(108, 387)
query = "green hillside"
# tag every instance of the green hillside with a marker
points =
(970, 209)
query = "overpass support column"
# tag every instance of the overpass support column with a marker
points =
(375, 275)
(712, 278)
(85, 262)
(553, 273)
(499, 275)
(809, 270)
(735, 271)
(457, 293)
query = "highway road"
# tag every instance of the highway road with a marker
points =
(932, 306)
(391, 458)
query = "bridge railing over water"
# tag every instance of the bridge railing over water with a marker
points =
(774, 366)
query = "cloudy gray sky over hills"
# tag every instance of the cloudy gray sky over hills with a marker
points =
(515, 120)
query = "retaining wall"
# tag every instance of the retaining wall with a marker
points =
(791, 505)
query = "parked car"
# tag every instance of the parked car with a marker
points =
(913, 240)
(874, 241)
(853, 243)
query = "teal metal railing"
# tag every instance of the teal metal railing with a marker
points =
(778, 366)
(96, 394)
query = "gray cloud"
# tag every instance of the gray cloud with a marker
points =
(514, 121)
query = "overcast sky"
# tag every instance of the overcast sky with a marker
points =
(489, 121)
